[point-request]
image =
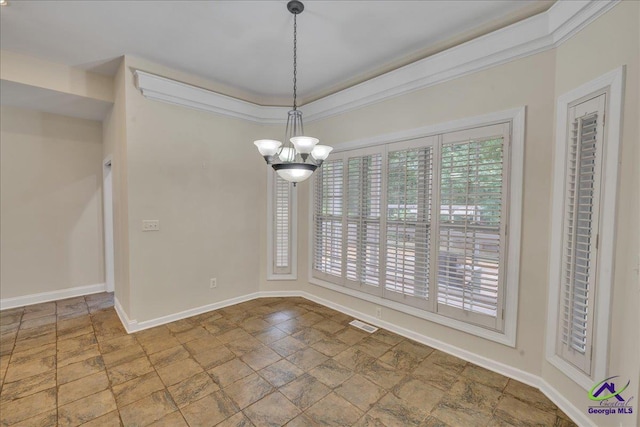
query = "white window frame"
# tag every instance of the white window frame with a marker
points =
(516, 118)
(272, 273)
(611, 83)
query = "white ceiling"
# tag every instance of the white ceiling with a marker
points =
(247, 45)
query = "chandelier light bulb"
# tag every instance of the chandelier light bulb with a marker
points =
(321, 152)
(304, 144)
(267, 147)
(287, 154)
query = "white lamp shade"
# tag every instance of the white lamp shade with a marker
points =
(304, 144)
(321, 152)
(295, 175)
(287, 154)
(267, 147)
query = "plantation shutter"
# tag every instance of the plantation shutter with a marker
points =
(408, 224)
(580, 234)
(471, 239)
(364, 192)
(282, 250)
(327, 232)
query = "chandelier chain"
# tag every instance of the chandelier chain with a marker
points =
(295, 61)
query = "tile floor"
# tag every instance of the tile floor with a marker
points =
(267, 362)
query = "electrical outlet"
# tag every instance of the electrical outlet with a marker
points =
(379, 312)
(213, 283)
(150, 225)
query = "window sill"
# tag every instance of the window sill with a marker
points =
(499, 337)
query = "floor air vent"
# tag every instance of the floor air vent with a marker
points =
(364, 326)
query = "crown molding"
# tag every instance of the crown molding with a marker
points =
(164, 89)
(536, 34)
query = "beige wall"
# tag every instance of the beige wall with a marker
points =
(51, 203)
(37, 72)
(608, 43)
(198, 173)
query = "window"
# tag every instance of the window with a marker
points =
(423, 227)
(583, 224)
(282, 224)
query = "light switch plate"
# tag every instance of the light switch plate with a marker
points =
(150, 225)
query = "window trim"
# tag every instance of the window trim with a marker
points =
(293, 230)
(613, 84)
(516, 117)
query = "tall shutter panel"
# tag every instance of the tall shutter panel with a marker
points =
(471, 243)
(408, 222)
(582, 196)
(282, 224)
(327, 254)
(364, 191)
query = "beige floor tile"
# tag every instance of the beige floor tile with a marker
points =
(329, 347)
(281, 373)
(233, 367)
(192, 389)
(86, 409)
(273, 410)
(305, 391)
(392, 411)
(83, 387)
(286, 346)
(383, 375)
(270, 335)
(195, 333)
(80, 369)
(211, 359)
(230, 372)
(333, 410)
(28, 386)
(418, 393)
(137, 388)
(360, 392)
(174, 419)
(147, 410)
(110, 419)
(21, 409)
(237, 420)
(260, 358)
(18, 371)
(530, 395)
(331, 373)
(45, 419)
(248, 390)
(307, 359)
(178, 371)
(484, 376)
(169, 356)
(309, 336)
(129, 370)
(210, 410)
(519, 413)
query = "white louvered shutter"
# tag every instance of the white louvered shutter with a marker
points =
(282, 242)
(408, 225)
(471, 246)
(364, 192)
(327, 233)
(580, 233)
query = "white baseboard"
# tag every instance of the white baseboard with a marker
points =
(132, 325)
(525, 377)
(31, 299)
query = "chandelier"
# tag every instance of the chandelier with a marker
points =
(301, 155)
